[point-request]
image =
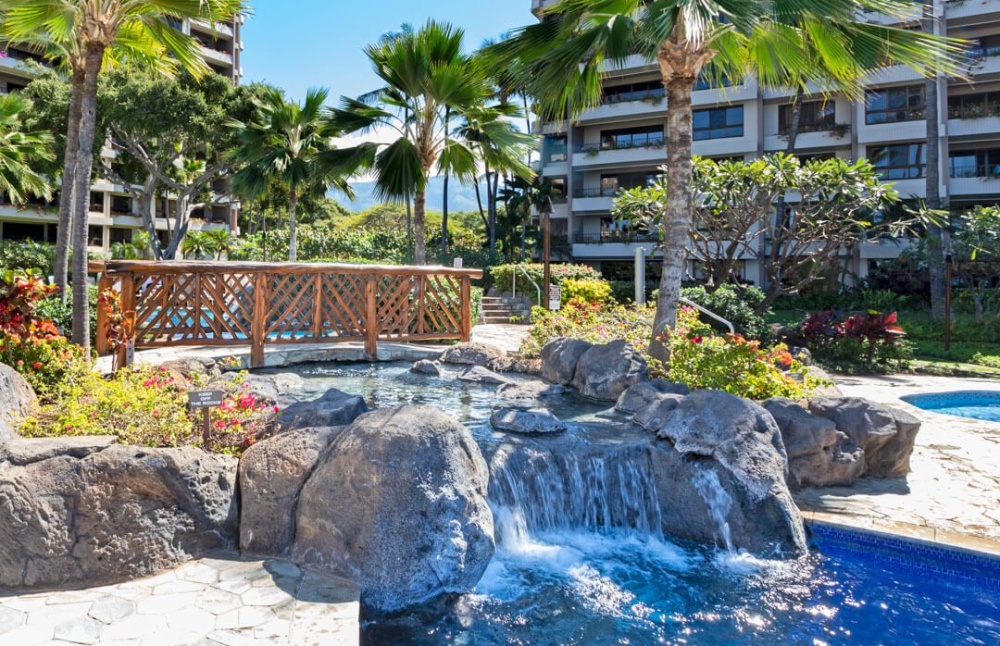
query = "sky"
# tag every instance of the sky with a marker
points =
(298, 44)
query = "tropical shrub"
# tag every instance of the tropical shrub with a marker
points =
(26, 254)
(588, 291)
(504, 276)
(736, 305)
(869, 341)
(702, 359)
(148, 407)
(590, 322)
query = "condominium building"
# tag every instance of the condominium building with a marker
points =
(620, 143)
(113, 214)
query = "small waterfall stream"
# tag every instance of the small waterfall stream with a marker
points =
(719, 502)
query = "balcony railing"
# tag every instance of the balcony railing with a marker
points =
(981, 171)
(983, 52)
(615, 238)
(975, 110)
(653, 141)
(654, 96)
(596, 192)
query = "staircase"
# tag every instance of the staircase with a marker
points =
(505, 309)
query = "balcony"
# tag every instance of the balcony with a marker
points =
(651, 151)
(982, 179)
(217, 57)
(904, 129)
(593, 199)
(974, 119)
(971, 11)
(822, 135)
(218, 29)
(626, 106)
(611, 245)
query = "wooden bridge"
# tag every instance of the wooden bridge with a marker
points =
(259, 304)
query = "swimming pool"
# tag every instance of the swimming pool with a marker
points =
(975, 404)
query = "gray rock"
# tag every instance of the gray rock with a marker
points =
(887, 443)
(559, 358)
(725, 454)
(281, 388)
(334, 408)
(818, 454)
(654, 416)
(537, 421)
(646, 393)
(476, 354)
(22, 452)
(427, 367)
(191, 366)
(17, 401)
(398, 502)
(830, 390)
(481, 375)
(272, 474)
(604, 372)
(529, 391)
(115, 514)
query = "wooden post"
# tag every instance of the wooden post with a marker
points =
(258, 327)
(466, 309)
(421, 295)
(317, 330)
(128, 305)
(104, 283)
(546, 258)
(371, 317)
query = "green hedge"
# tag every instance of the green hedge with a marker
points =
(503, 275)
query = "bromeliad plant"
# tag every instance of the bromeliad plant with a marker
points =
(868, 341)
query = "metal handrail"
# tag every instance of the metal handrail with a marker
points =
(708, 313)
(537, 288)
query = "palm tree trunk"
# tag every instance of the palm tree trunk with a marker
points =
(491, 211)
(293, 240)
(444, 201)
(409, 229)
(81, 194)
(419, 243)
(935, 235)
(66, 195)
(677, 219)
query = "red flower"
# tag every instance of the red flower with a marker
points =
(37, 365)
(696, 339)
(220, 424)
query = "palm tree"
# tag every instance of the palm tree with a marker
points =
(426, 80)
(89, 29)
(563, 57)
(198, 245)
(19, 150)
(221, 241)
(286, 144)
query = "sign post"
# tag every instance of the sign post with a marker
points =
(205, 400)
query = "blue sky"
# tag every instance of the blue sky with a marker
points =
(297, 44)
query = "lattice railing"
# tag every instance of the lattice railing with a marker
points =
(222, 304)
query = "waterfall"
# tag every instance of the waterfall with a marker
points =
(539, 486)
(706, 482)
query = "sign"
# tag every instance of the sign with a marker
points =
(205, 398)
(555, 298)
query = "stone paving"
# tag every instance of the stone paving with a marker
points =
(225, 600)
(952, 494)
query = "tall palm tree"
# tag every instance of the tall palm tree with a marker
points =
(426, 79)
(19, 150)
(286, 144)
(89, 29)
(567, 51)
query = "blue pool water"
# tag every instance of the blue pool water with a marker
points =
(578, 586)
(976, 404)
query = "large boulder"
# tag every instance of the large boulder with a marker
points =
(654, 415)
(885, 435)
(559, 358)
(476, 354)
(87, 512)
(282, 388)
(17, 401)
(272, 474)
(818, 454)
(427, 367)
(398, 502)
(529, 391)
(647, 393)
(720, 475)
(334, 408)
(538, 421)
(481, 375)
(604, 372)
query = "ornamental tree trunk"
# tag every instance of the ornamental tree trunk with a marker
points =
(419, 242)
(66, 194)
(293, 240)
(81, 194)
(935, 235)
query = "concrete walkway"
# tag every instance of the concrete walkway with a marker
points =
(952, 494)
(225, 600)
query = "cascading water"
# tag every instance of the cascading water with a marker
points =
(706, 482)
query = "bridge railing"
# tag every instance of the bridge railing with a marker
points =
(258, 304)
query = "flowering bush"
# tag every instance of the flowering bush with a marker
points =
(590, 322)
(149, 407)
(30, 343)
(702, 359)
(504, 276)
(588, 291)
(870, 341)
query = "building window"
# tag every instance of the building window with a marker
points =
(708, 79)
(984, 47)
(95, 236)
(96, 202)
(555, 149)
(901, 161)
(974, 163)
(121, 205)
(644, 91)
(641, 137)
(23, 231)
(815, 116)
(718, 123)
(895, 104)
(974, 106)
(558, 185)
(120, 234)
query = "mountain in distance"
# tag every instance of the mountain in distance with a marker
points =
(460, 197)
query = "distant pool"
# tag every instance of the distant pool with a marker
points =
(975, 404)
